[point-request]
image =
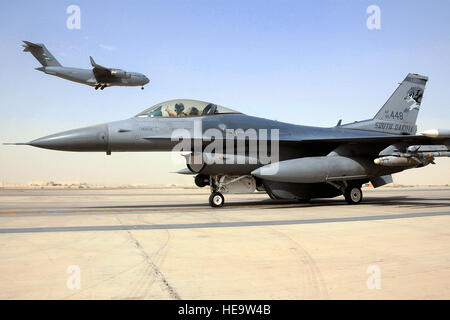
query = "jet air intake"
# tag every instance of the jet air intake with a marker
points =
(317, 169)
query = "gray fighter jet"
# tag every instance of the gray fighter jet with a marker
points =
(99, 77)
(235, 153)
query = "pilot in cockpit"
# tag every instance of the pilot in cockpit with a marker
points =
(179, 111)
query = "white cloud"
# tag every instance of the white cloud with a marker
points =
(107, 47)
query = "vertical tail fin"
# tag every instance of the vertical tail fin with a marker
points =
(404, 103)
(40, 52)
(399, 114)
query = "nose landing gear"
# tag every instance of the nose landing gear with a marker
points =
(225, 184)
(216, 199)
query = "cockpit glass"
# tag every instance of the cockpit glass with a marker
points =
(183, 108)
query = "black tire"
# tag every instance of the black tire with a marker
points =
(201, 180)
(353, 195)
(216, 200)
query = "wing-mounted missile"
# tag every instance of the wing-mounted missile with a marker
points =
(416, 156)
(395, 161)
(436, 133)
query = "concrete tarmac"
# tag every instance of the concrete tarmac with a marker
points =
(169, 244)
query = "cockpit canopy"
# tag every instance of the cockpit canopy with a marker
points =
(183, 108)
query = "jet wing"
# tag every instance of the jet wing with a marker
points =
(355, 145)
(366, 145)
(419, 139)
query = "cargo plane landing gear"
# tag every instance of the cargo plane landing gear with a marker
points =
(352, 192)
(101, 86)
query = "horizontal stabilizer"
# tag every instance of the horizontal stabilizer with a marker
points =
(40, 52)
(185, 171)
(28, 45)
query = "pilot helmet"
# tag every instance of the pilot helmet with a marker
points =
(179, 107)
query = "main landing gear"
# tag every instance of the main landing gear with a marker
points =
(352, 191)
(353, 195)
(101, 86)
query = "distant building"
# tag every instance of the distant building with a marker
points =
(36, 183)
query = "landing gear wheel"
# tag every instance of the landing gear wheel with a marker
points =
(353, 195)
(142, 88)
(201, 180)
(216, 199)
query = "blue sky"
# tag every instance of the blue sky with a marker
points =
(311, 62)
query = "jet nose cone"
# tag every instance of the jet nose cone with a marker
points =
(94, 138)
(146, 80)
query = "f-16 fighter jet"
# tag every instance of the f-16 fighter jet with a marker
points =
(97, 77)
(231, 152)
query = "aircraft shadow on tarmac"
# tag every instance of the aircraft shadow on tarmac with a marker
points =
(280, 204)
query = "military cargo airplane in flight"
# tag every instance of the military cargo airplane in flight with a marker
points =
(99, 77)
(293, 161)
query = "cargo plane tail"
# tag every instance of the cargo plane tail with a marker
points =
(40, 52)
